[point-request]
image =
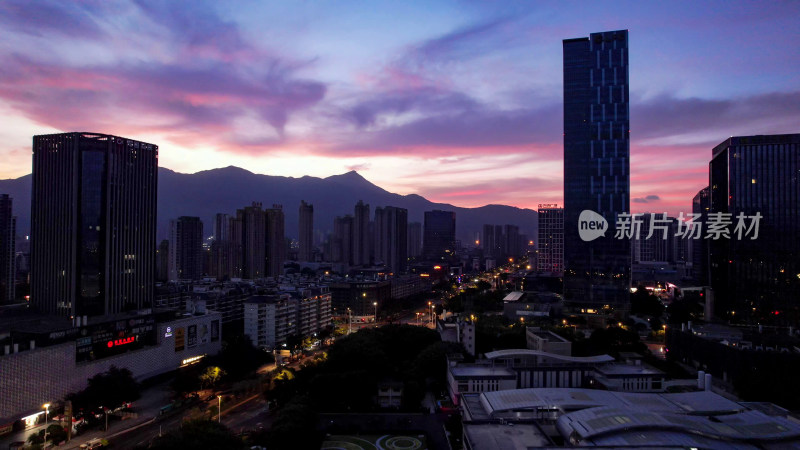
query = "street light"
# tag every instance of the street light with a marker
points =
(417, 317)
(349, 321)
(219, 409)
(46, 412)
(375, 304)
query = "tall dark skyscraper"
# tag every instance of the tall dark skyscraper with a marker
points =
(701, 204)
(8, 238)
(254, 241)
(185, 249)
(275, 242)
(596, 168)
(361, 235)
(93, 224)
(306, 231)
(414, 239)
(394, 238)
(759, 278)
(488, 242)
(439, 234)
(162, 261)
(342, 240)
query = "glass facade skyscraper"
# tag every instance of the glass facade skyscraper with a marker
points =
(757, 279)
(93, 217)
(596, 169)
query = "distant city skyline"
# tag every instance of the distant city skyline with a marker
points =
(459, 103)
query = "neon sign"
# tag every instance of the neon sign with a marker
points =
(123, 341)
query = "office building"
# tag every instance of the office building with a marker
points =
(439, 234)
(93, 219)
(756, 278)
(596, 169)
(275, 241)
(414, 239)
(185, 249)
(361, 235)
(306, 232)
(359, 296)
(662, 245)
(8, 238)
(550, 256)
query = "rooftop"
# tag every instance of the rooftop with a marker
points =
(568, 399)
(491, 436)
(532, 353)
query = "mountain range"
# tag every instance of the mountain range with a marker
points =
(224, 190)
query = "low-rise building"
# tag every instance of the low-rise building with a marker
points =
(471, 379)
(547, 341)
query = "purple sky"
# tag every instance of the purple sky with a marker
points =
(457, 101)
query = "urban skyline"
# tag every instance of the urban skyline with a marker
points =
(421, 96)
(347, 315)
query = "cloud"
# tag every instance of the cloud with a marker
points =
(668, 119)
(647, 199)
(359, 167)
(45, 17)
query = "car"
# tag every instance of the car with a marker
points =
(92, 444)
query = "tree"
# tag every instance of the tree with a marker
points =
(239, 357)
(644, 302)
(110, 389)
(211, 376)
(294, 426)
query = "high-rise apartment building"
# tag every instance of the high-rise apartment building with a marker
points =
(275, 242)
(93, 224)
(512, 241)
(378, 246)
(394, 238)
(550, 247)
(185, 249)
(361, 235)
(596, 169)
(306, 231)
(342, 240)
(254, 241)
(487, 242)
(756, 278)
(8, 238)
(439, 234)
